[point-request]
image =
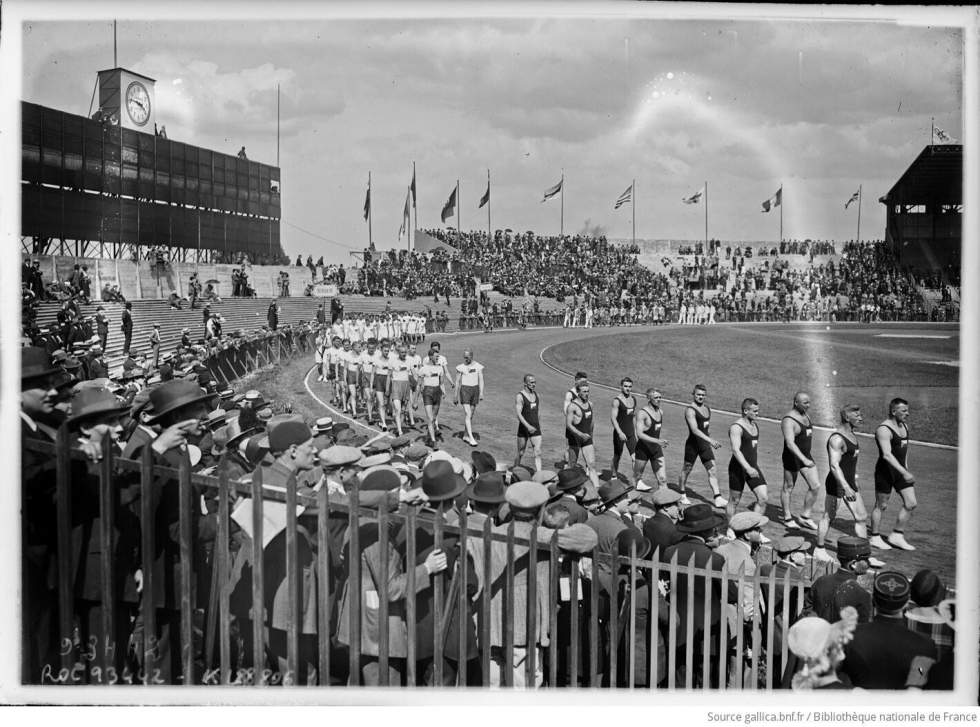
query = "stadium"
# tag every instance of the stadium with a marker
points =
(479, 457)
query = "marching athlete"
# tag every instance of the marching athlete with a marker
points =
(621, 416)
(380, 381)
(743, 467)
(469, 391)
(699, 444)
(650, 445)
(527, 406)
(797, 460)
(579, 424)
(432, 375)
(892, 473)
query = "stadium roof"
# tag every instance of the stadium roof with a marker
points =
(935, 177)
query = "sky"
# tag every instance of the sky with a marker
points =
(601, 94)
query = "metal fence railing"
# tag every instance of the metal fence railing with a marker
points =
(344, 577)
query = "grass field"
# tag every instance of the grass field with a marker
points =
(846, 364)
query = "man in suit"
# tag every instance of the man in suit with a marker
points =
(661, 529)
(97, 366)
(570, 487)
(699, 525)
(884, 653)
(127, 327)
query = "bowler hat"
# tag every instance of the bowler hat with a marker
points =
(747, 520)
(235, 433)
(92, 402)
(35, 362)
(926, 588)
(380, 478)
(483, 461)
(526, 495)
(571, 478)
(173, 395)
(850, 547)
(288, 433)
(440, 482)
(488, 487)
(699, 518)
(891, 591)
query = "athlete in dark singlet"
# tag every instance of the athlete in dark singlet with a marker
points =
(578, 431)
(570, 395)
(621, 416)
(528, 424)
(649, 445)
(743, 467)
(797, 460)
(892, 473)
(841, 482)
(699, 444)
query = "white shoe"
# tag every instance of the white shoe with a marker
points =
(822, 555)
(684, 500)
(899, 541)
(720, 501)
(879, 543)
(875, 563)
(806, 522)
(643, 486)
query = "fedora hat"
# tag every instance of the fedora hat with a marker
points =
(699, 518)
(571, 479)
(628, 537)
(235, 433)
(612, 492)
(217, 417)
(92, 402)
(173, 395)
(35, 362)
(440, 482)
(488, 487)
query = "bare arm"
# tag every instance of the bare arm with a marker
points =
(480, 377)
(612, 417)
(835, 450)
(791, 428)
(883, 435)
(692, 425)
(572, 417)
(735, 438)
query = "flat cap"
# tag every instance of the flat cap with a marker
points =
(287, 433)
(790, 544)
(526, 495)
(747, 520)
(417, 451)
(665, 496)
(339, 455)
(374, 460)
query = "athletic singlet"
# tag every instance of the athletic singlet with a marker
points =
(703, 422)
(848, 460)
(585, 423)
(748, 446)
(803, 438)
(654, 429)
(529, 410)
(899, 445)
(624, 416)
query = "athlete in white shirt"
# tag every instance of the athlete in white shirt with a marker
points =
(352, 365)
(432, 377)
(367, 358)
(416, 361)
(402, 380)
(380, 381)
(332, 359)
(469, 391)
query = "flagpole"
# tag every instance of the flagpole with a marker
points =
(561, 223)
(859, 214)
(370, 211)
(489, 226)
(459, 228)
(932, 130)
(705, 228)
(414, 192)
(781, 203)
(633, 205)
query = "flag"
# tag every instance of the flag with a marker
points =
(774, 201)
(552, 191)
(412, 188)
(854, 198)
(406, 216)
(367, 203)
(449, 209)
(486, 196)
(625, 197)
(694, 198)
(941, 135)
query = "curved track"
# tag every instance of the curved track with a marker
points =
(508, 355)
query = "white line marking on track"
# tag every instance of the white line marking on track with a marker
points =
(934, 445)
(945, 363)
(908, 335)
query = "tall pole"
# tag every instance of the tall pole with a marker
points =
(370, 239)
(705, 229)
(932, 130)
(781, 203)
(277, 124)
(633, 187)
(561, 223)
(459, 228)
(489, 226)
(416, 209)
(859, 214)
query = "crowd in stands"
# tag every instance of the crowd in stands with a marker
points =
(852, 627)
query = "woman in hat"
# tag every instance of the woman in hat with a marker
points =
(378, 490)
(819, 647)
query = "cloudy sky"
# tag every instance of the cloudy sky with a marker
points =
(746, 105)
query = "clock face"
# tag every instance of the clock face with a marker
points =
(138, 103)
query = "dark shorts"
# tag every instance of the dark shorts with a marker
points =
(618, 445)
(792, 463)
(431, 395)
(888, 479)
(695, 448)
(737, 479)
(576, 443)
(469, 395)
(833, 489)
(381, 383)
(523, 433)
(648, 452)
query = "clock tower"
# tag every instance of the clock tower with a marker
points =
(129, 98)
